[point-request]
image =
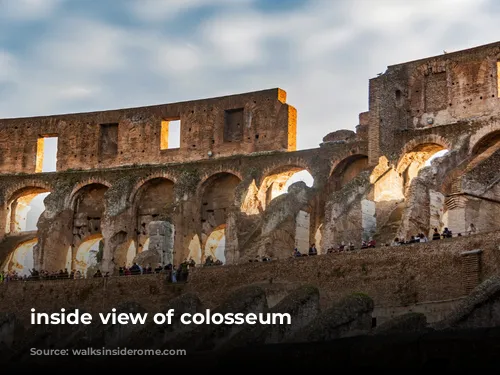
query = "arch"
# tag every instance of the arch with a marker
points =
(215, 244)
(346, 169)
(484, 139)
(83, 185)
(217, 199)
(206, 179)
(425, 146)
(88, 209)
(21, 259)
(94, 191)
(26, 184)
(296, 163)
(277, 180)
(24, 208)
(152, 202)
(88, 254)
(145, 180)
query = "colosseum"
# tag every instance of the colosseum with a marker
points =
(212, 180)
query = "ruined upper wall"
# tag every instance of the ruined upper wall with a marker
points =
(420, 95)
(210, 128)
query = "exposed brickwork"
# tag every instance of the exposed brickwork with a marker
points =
(116, 138)
(471, 262)
(116, 175)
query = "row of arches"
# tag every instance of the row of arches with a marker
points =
(153, 200)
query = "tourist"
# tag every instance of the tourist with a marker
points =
(436, 236)
(471, 229)
(447, 233)
(313, 250)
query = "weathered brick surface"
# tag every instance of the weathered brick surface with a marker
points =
(138, 134)
(91, 295)
(392, 276)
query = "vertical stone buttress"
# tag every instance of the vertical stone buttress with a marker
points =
(374, 124)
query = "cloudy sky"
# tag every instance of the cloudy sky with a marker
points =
(60, 56)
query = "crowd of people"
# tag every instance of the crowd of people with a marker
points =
(173, 273)
(180, 272)
(418, 238)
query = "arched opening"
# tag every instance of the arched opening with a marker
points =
(215, 244)
(89, 206)
(131, 254)
(279, 180)
(217, 199)
(153, 202)
(194, 248)
(346, 170)
(318, 236)
(21, 260)
(420, 156)
(490, 142)
(482, 207)
(25, 208)
(88, 256)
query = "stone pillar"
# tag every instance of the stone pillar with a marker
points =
(302, 226)
(3, 213)
(368, 219)
(454, 217)
(231, 233)
(161, 239)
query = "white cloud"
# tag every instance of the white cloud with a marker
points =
(237, 40)
(76, 92)
(322, 54)
(178, 58)
(27, 10)
(83, 45)
(164, 10)
(7, 66)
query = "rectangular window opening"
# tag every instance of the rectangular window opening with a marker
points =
(233, 125)
(46, 154)
(108, 141)
(170, 134)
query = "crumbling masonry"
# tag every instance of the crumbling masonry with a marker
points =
(118, 181)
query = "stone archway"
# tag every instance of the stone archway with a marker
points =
(217, 201)
(88, 255)
(152, 202)
(21, 259)
(24, 208)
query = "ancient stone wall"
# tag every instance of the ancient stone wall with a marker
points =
(422, 97)
(398, 279)
(222, 194)
(392, 276)
(237, 124)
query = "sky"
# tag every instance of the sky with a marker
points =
(63, 56)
